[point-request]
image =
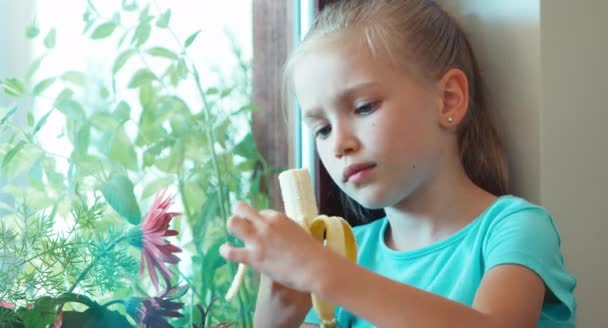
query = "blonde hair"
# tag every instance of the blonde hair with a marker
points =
(419, 36)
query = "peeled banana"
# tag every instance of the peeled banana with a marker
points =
(334, 232)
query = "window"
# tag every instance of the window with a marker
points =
(103, 108)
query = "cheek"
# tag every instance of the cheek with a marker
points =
(333, 165)
(403, 138)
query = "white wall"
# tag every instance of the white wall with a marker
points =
(14, 46)
(506, 38)
(545, 63)
(574, 148)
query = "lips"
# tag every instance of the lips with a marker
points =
(354, 169)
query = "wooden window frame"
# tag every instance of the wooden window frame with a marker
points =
(273, 34)
(273, 40)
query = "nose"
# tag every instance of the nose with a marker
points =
(345, 141)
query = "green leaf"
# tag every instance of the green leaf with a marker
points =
(244, 110)
(177, 72)
(118, 192)
(162, 52)
(66, 93)
(41, 314)
(191, 38)
(148, 159)
(121, 60)
(89, 21)
(32, 30)
(221, 131)
(143, 76)
(156, 185)
(10, 155)
(13, 87)
(41, 122)
(246, 147)
(227, 92)
(163, 20)
(122, 150)
(95, 317)
(81, 142)
(148, 97)
(122, 112)
(71, 108)
(55, 179)
(8, 115)
(193, 193)
(43, 85)
(142, 34)
(8, 318)
(21, 161)
(35, 175)
(129, 5)
(103, 31)
(144, 15)
(33, 68)
(75, 77)
(104, 122)
(50, 39)
(104, 92)
(167, 164)
(30, 119)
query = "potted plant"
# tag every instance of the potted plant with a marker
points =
(124, 229)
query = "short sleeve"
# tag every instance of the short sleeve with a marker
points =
(529, 238)
(312, 318)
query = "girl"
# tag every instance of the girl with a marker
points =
(392, 92)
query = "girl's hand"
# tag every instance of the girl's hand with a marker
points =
(276, 246)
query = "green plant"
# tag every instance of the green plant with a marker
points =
(132, 132)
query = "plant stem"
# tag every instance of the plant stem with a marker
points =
(221, 187)
(112, 302)
(84, 272)
(78, 298)
(211, 137)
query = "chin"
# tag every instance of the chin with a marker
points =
(371, 200)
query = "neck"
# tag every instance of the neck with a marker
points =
(437, 209)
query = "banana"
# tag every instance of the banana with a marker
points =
(333, 231)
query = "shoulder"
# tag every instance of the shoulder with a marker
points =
(508, 205)
(514, 216)
(520, 232)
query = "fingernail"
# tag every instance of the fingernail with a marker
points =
(223, 250)
(236, 206)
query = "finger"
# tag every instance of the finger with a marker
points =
(271, 215)
(241, 228)
(234, 254)
(246, 211)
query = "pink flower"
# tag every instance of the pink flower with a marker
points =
(59, 322)
(151, 311)
(156, 251)
(6, 305)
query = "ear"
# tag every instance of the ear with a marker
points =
(454, 98)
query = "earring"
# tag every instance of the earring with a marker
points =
(450, 119)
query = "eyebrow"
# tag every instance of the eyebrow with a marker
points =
(347, 93)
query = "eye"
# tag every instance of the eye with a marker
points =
(366, 108)
(323, 132)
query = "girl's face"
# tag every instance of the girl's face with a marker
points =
(377, 129)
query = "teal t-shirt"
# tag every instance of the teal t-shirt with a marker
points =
(510, 231)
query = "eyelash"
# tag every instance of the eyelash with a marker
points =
(363, 110)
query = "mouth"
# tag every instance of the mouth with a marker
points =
(356, 171)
